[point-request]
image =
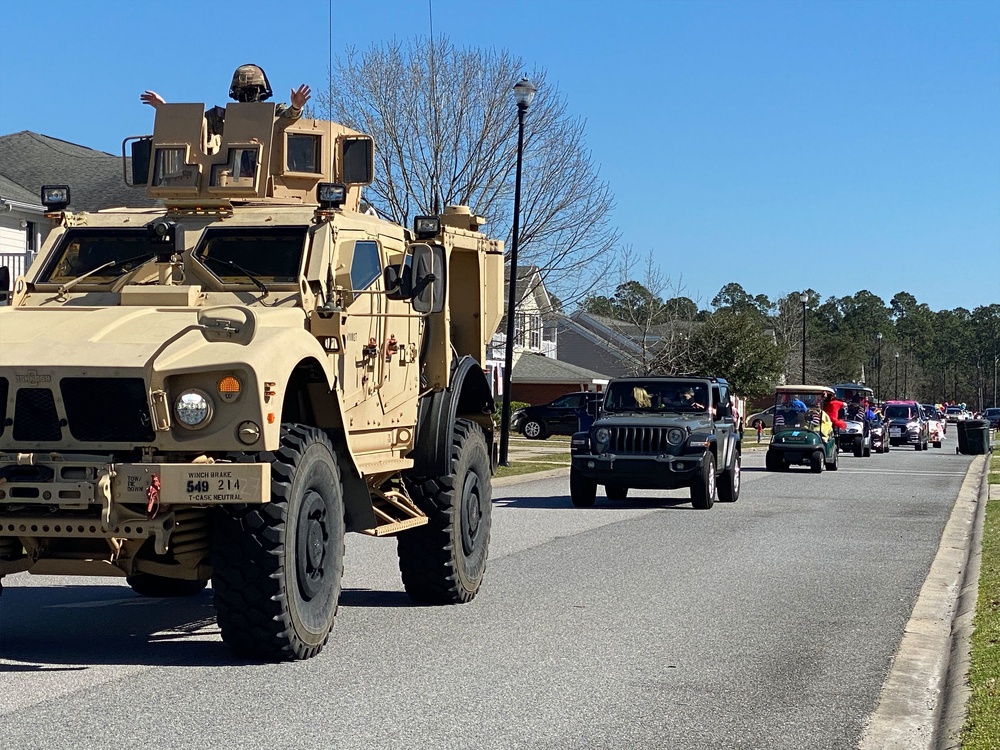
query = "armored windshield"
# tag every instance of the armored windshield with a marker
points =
(83, 251)
(798, 411)
(272, 255)
(655, 396)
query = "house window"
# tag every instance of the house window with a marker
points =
(536, 332)
(520, 324)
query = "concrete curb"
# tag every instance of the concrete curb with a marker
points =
(910, 712)
(957, 690)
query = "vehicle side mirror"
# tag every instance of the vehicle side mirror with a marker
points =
(142, 151)
(398, 282)
(428, 276)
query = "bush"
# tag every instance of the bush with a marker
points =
(498, 408)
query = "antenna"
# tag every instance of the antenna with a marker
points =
(435, 134)
(329, 68)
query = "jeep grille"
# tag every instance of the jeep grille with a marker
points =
(639, 440)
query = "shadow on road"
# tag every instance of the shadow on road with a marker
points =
(562, 502)
(46, 628)
(87, 625)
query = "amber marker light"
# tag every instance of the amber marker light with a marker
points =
(229, 388)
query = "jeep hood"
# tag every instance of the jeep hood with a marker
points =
(693, 421)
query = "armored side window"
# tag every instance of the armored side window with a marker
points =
(366, 266)
(302, 153)
(240, 171)
(171, 170)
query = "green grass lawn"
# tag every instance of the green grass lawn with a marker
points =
(982, 727)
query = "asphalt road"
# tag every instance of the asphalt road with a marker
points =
(769, 623)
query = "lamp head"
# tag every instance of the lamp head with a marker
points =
(524, 93)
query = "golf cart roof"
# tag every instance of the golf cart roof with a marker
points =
(803, 389)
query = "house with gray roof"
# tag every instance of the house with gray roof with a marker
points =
(29, 160)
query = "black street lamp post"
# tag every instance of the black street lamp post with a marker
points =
(896, 389)
(803, 298)
(524, 92)
(878, 365)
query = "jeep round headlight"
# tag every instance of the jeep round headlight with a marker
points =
(602, 435)
(193, 409)
(675, 436)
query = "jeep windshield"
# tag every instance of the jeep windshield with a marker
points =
(656, 396)
(100, 254)
(798, 411)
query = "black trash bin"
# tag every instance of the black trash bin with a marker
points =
(974, 437)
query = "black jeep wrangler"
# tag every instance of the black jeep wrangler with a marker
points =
(660, 433)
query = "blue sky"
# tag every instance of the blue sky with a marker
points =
(833, 145)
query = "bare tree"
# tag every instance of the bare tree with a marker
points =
(445, 131)
(649, 315)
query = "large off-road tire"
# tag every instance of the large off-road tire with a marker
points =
(772, 461)
(730, 481)
(277, 567)
(703, 489)
(443, 562)
(533, 430)
(937, 443)
(868, 450)
(817, 461)
(146, 584)
(582, 491)
(616, 492)
(859, 448)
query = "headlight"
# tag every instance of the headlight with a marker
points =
(912, 425)
(675, 436)
(602, 436)
(193, 409)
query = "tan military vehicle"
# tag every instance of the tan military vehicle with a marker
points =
(222, 387)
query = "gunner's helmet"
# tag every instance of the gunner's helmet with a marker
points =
(250, 84)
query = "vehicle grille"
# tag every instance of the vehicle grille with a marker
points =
(35, 416)
(102, 410)
(3, 404)
(640, 440)
(98, 410)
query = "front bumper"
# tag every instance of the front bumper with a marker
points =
(57, 497)
(659, 472)
(899, 436)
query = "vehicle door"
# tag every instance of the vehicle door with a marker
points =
(562, 416)
(362, 364)
(725, 428)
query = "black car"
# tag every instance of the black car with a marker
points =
(559, 417)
